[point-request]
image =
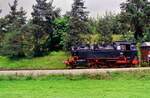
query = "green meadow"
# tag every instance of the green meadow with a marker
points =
(110, 85)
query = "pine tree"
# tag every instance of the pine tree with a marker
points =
(21, 17)
(44, 14)
(15, 19)
(13, 22)
(78, 23)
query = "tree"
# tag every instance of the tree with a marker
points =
(78, 24)
(21, 18)
(92, 24)
(105, 28)
(15, 19)
(2, 22)
(93, 37)
(29, 40)
(134, 14)
(3, 30)
(11, 29)
(12, 45)
(147, 27)
(61, 29)
(44, 14)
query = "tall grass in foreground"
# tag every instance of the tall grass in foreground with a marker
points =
(132, 75)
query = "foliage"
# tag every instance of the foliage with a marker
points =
(62, 27)
(15, 19)
(11, 41)
(44, 15)
(29, 31)
(107, 28)
(92, 24)
(134, 13)
(3, 23)
(12, 45)
(147, 33)
(117, 37)
(2, 30)
(91, 39)
(129, 36)
(48, 31)
(145, 64)
(78, 24)
(104, 27)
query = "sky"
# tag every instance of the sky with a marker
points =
(95, 7)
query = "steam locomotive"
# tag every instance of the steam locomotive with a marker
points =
(117, 55)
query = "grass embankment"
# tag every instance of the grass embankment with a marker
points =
(110, 85)
(53, 61)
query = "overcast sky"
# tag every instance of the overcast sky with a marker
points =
(96, 7)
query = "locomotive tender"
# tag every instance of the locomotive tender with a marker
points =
(119, 54)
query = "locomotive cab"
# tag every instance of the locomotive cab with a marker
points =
(125, 46)
(129, 51)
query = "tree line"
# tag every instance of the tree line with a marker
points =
(48, 30)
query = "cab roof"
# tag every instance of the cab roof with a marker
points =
(124, 43)
(145, 44)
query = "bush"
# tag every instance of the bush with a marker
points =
(145, 64)
(12, 45)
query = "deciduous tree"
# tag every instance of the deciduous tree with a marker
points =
(104, 27)
(135, 13)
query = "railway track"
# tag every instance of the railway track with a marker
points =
(69, 72)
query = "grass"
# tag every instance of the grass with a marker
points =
(75, 89)
(112, 85)
(53, 61)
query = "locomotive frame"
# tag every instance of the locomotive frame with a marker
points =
(121, 54)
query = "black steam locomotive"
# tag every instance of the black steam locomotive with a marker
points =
(116, 55)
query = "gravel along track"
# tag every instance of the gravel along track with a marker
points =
(69, 72)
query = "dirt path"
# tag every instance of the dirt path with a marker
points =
(68, 72)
